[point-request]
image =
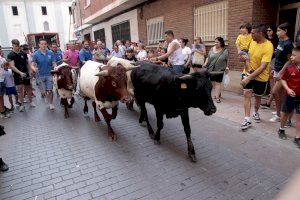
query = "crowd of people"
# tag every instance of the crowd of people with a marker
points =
(269, 60)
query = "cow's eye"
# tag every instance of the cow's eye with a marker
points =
(114, 83)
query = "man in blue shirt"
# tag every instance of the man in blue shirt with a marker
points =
(85, 53)
(43, 62)
(57, 54)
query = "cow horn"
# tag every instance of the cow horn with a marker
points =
(102, 73)
(131, 67)
(186, 77)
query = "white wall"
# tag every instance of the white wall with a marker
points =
(130, 16)
(15, 27)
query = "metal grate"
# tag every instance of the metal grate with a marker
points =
(155, 30)
(211, 21)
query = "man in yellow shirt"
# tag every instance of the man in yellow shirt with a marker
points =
(260, 54)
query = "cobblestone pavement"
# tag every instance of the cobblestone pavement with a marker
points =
(55, 158)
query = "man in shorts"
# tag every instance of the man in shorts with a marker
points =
(260, 54)
(43, 62)
(19, 60)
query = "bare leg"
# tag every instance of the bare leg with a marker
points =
(297, 125)
(20, 89)
(257, 103)
(49, 96)
(28, 90)
(247, 103)
(11, 101)
(2, 108)
(217, 90)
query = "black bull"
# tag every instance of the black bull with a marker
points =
(171, 95)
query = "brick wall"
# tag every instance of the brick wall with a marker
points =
(178, 16)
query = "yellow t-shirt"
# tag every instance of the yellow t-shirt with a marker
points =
(259, 53)
(244, 41)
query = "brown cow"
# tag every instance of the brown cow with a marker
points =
(105, 85)
(63, 81)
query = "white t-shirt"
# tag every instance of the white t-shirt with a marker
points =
(186, 51)
(176, 58)
(142, 55)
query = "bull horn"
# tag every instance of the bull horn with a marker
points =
(186, 77)
(102, 73)
(132, 67)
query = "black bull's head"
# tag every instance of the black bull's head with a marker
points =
(197, 91)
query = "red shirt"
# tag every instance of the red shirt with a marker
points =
(292, 77)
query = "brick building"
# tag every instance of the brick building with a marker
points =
(146, 21)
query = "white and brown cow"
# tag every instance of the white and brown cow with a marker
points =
(64, 83)
(105, 85)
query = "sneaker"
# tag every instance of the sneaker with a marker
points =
(265, 106)
(256, 117)
(288, 124)
(51, 106)
(3, 166)
(18, 104)
(274, 113)
(246, 124)
(275, 118)
(32, 104)
(297, 142)
(25, 101)
(281, 134)
(11, 110)
(22, 108)
(4, 115)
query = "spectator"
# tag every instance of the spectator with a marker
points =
(174, 53)
(43, 62)
(3, 112)
(165, 60)
(282, 54)
(243, 42)
(85, 53)
(142, 54)
(216, 64)
(130, 55)
(260, 53)
(18, 59)
(99, 54)
(116, 52)
(291, 83)
(127, 44)
(151, 54)
(58, 55)
(10, 86)
(187, 53)
(122, 48)
(71, 57)
(106, 51)
(271, 35)
(198, 54)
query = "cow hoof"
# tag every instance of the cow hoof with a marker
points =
(157, 142)
(193, 158)
(151, 136)
(112, 137)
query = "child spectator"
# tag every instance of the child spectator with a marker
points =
(291, 83)
(130, 55)
(243, 42)
(151, 54)
(10, 86)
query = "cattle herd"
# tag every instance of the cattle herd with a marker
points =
(143, 82)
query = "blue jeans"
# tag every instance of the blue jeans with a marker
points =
(45, 83)
(178, 68)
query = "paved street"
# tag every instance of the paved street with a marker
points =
(55, 158)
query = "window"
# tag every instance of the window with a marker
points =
(155, 30)
(70, 10)
(15, 10)
(121, 31)
(211, 21)
(46, 26)
(99, 35)
(44, 10)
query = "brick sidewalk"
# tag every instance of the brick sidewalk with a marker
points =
(55, 158)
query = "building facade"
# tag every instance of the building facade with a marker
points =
(146, 21)
(21, 17)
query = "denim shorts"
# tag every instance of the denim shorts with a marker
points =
(45, 83)
(2, 88)
(178, 68)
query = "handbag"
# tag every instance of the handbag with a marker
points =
(211, 67)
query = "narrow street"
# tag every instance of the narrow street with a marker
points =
(55, 158)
